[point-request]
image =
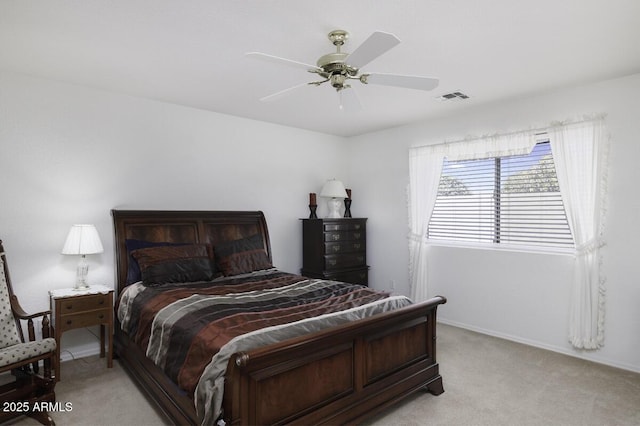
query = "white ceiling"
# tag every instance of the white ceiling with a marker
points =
(192, 52)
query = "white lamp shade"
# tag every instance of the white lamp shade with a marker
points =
(82, 239)
(333, 189)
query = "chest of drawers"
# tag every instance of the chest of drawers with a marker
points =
(335, 249)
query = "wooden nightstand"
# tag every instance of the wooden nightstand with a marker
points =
(72, 309)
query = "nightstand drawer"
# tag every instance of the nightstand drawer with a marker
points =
(84, 303)
(83, 319)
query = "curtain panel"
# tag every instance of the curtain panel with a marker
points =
(425, 166)
(580, 152)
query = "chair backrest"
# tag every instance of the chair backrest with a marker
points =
(9, 334)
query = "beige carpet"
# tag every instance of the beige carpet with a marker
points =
(488, 381)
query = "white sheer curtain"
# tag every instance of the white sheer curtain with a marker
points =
(425, 167)
(580, 155)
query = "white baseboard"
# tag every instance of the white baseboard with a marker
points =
(76, 353)
(80, 343)
(591, 357)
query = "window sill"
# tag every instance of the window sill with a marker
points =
(504, 247)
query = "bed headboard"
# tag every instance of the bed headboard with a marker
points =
(211, 227)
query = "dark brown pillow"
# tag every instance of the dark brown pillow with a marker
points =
(242, 256)
(133, 271)
(175, 264)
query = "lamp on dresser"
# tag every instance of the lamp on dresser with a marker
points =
(82, 240)
(334, 190)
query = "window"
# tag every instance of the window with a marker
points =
(504, 200)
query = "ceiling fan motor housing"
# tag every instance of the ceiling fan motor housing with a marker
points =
(333, 64)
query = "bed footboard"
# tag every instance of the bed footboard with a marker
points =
(340, 376)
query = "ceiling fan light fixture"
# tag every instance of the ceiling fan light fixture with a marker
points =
(337, 81)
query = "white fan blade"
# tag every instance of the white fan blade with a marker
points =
(348, 100)
(377, 44)
(282, 93)
(408, 81)
(279, 60)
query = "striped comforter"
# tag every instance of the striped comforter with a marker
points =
(191, 330)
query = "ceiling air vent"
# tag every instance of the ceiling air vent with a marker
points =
(453, 96)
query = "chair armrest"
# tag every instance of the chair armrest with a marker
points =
(21, 314)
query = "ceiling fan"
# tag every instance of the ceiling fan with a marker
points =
(339, 68)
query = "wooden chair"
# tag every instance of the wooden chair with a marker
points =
(28, 392)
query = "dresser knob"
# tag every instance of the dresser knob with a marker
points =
(69, 322)
(101, 316)
(69, 307)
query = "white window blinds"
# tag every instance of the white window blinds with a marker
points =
(511, 200)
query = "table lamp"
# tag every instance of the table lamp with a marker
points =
(334, 190)
(82, 240)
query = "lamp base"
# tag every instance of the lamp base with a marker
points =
(81, 275)
(334, 208)
(85, 288)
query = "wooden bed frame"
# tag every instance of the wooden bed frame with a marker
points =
(341, 375)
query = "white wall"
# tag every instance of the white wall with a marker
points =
(70, 154)
(524, 297)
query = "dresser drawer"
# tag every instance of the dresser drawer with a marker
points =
(83, 319)
(85, 303)
(345, 226)
(345, 247)
(347, 260)
(359, 276)
(344, 236)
